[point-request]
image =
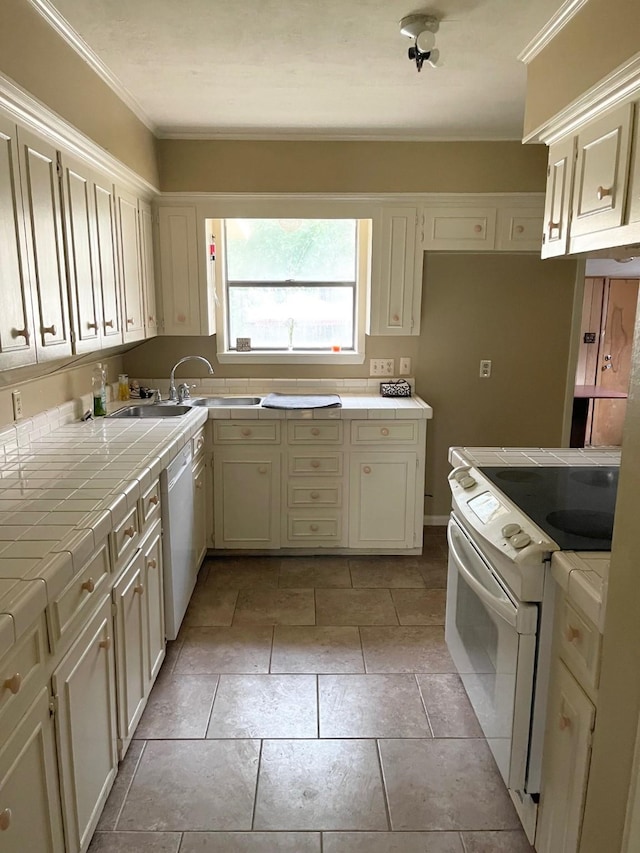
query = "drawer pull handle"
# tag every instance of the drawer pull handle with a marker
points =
(553, 226)
(315, 431)
(602, 192)
(49, 330)
(154, 499)
(314, 527)
(105, 644)
(477, 228)
(108, 324)
(384, 431)
(245, 432)
(564, 722)
(315, 463)
(5, 819)
(92, 326)
(21, 333)
(315, 496)
(367, 469)
(138, 588)
(14, 683)
(152, 564)
(572, 633)
(129, 531)
(88, 585)
(262, 469)
(130, 321)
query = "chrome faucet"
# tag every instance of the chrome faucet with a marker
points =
(173, 394)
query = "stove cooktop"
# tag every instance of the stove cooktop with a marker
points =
(573, 505)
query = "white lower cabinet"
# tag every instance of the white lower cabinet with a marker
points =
(382, 489)
(154, 602)
(85, 694)
(30, 814)
(200, 509)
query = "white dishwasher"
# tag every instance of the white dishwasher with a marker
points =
(178, 549)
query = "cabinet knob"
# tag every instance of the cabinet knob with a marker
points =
(199, 484)
(262, 469)
(5, 819)
(519, 229)
(315, 431)
(130, 321)
(564, 722)
(367, 469)
(245, 431)
(602, 192)
(152, 321)
(315, 463)
(314, 528)
(49, 330)
(396, 318)
(129, 531)
(108, 324)
(21, 333)
(384, 431)
(138, 588)
(154, 499)
(477, 228)
(105, 644)
(14, 683)
(572, 633)
(152, 564)
(315, 496)
(92, 326)
(88, 585)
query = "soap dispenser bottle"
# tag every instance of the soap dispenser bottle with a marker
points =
(99, 386)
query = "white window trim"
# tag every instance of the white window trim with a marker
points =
(363, 284)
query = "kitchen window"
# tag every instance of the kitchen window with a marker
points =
(294, 287)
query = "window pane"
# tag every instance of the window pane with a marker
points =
(274, 250)
(301, 317)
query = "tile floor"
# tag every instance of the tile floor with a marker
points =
(310, 705)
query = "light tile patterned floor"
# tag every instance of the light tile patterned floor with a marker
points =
(309, 705)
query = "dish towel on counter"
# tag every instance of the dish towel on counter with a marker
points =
(301, 401)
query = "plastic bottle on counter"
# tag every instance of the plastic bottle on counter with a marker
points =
(99, 386)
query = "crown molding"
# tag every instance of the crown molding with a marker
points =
(621, 85)
(565, 13)
(317, 136)
(37, 117)
(64, 29)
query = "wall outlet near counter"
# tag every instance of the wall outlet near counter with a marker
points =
(485, 368)
(16, 399)
(381, 366)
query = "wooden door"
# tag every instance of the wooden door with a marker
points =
(17, 342)
(614, 361)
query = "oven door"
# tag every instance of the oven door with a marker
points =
(492, 639)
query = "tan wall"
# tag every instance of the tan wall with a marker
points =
(350, 167)
(515, 310)
(36, 58)
(602, 36)
(60, 385)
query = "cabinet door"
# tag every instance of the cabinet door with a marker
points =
(29, 794)
(519, 229)
(180, 271)
(131, 649)
(382, 500)
(460, 228)
(200, 511)
(397, 282)
(104, 204)
(247, 498)
(84, 687)
(565, 770)
(148, 270)
(154, 603)
(130, 267)
(43, 212)
(602, 173)
(557, 206)
(83, 270)
(17, 342)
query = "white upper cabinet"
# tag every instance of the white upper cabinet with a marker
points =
(557, 209)
(104, 203)
(601, 173)
(43, 212)
(460, 228)
(147, 270)
(519, 229)
(17, 342)
(396, 285)
(130, 267)
(634, 180)
(180, 271)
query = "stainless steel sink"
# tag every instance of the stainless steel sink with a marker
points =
(151, 411)
(225, 401)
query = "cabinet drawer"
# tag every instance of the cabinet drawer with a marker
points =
(303, 432)
(580, 644)
(301, 462)
(316, 528)
(519, 229)
(150, 506)
(310, 494)
(254, 432)
(384, 432)
(465, 228)
(22, 673)
(197, 443)
(124, 539)
(79, 596)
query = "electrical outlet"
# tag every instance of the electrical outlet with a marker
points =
(16, 398)
(485, 368)
(405, 367)
(381, 366)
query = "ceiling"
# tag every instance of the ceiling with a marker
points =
(309, 69)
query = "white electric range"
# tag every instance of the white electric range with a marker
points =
(512, 509)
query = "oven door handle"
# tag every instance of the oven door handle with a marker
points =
(502, 607)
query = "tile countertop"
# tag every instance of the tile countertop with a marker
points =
(583, 575)
(61, 493)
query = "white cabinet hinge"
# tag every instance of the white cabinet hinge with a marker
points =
(53, 705)
(58, 165)
(72, 336)
(548, 171)
(114, 608)
(120, 744)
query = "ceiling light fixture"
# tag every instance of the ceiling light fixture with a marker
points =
(422, 29)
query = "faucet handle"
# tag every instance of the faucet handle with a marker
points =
(157, 396)
(184, 391)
